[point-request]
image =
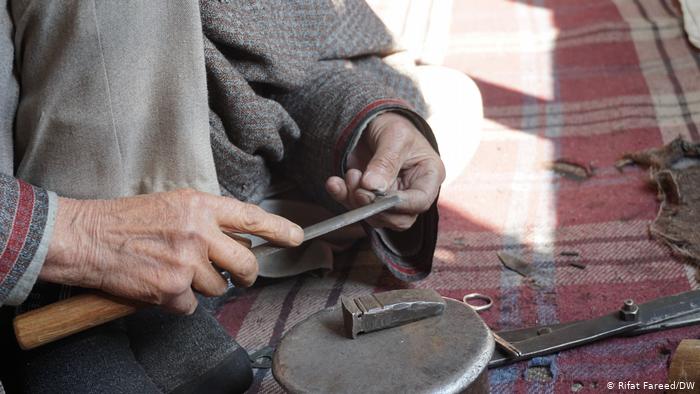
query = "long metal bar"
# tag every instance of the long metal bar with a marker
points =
(661, 313)
(322, 228)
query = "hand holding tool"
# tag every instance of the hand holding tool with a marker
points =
(81, 312)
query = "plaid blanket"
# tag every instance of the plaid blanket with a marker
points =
(584, 81)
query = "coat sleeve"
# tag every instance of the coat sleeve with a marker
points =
(27, 213)
(332, 111)
(352, 85)
(27, 216)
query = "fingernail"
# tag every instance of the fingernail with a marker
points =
(366, 196)
(375, 181)
(296, 234)
(333, 187)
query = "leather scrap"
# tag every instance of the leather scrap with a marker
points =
(515, 263)
(675, 168)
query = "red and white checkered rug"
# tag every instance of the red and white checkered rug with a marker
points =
(580, 80)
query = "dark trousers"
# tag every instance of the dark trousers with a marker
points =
(150, 352)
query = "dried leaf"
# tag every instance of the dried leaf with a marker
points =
(569, 253)
(514, 263)
(622, 163)
(571, 169)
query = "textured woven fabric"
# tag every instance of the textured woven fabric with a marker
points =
(291, 87)
(26, 217)
(278, 74)
(582, 80)
(24, 210)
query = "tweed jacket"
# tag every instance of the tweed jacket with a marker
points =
(292, 85)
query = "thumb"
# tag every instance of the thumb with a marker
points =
(385, 164)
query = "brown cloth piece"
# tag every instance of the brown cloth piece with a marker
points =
(676, 170)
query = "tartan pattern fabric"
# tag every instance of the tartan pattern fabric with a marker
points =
(23, 217)
(586, 81)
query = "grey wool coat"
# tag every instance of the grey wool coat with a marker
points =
(292, 85)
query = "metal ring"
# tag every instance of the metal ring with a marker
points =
(477, 296)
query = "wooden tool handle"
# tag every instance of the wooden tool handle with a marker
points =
(73, 315)
(67, 317)
(685, 367)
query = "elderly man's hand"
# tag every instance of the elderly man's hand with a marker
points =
(157, 247)
(392, 155)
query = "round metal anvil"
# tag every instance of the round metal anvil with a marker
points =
(446, 353)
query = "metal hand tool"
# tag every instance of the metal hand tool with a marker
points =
(345, 219)
(78, 313)
(666, 312)
(388, 309)
(520, 344)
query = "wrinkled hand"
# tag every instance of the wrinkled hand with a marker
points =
(155, 248)
(392, 155)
